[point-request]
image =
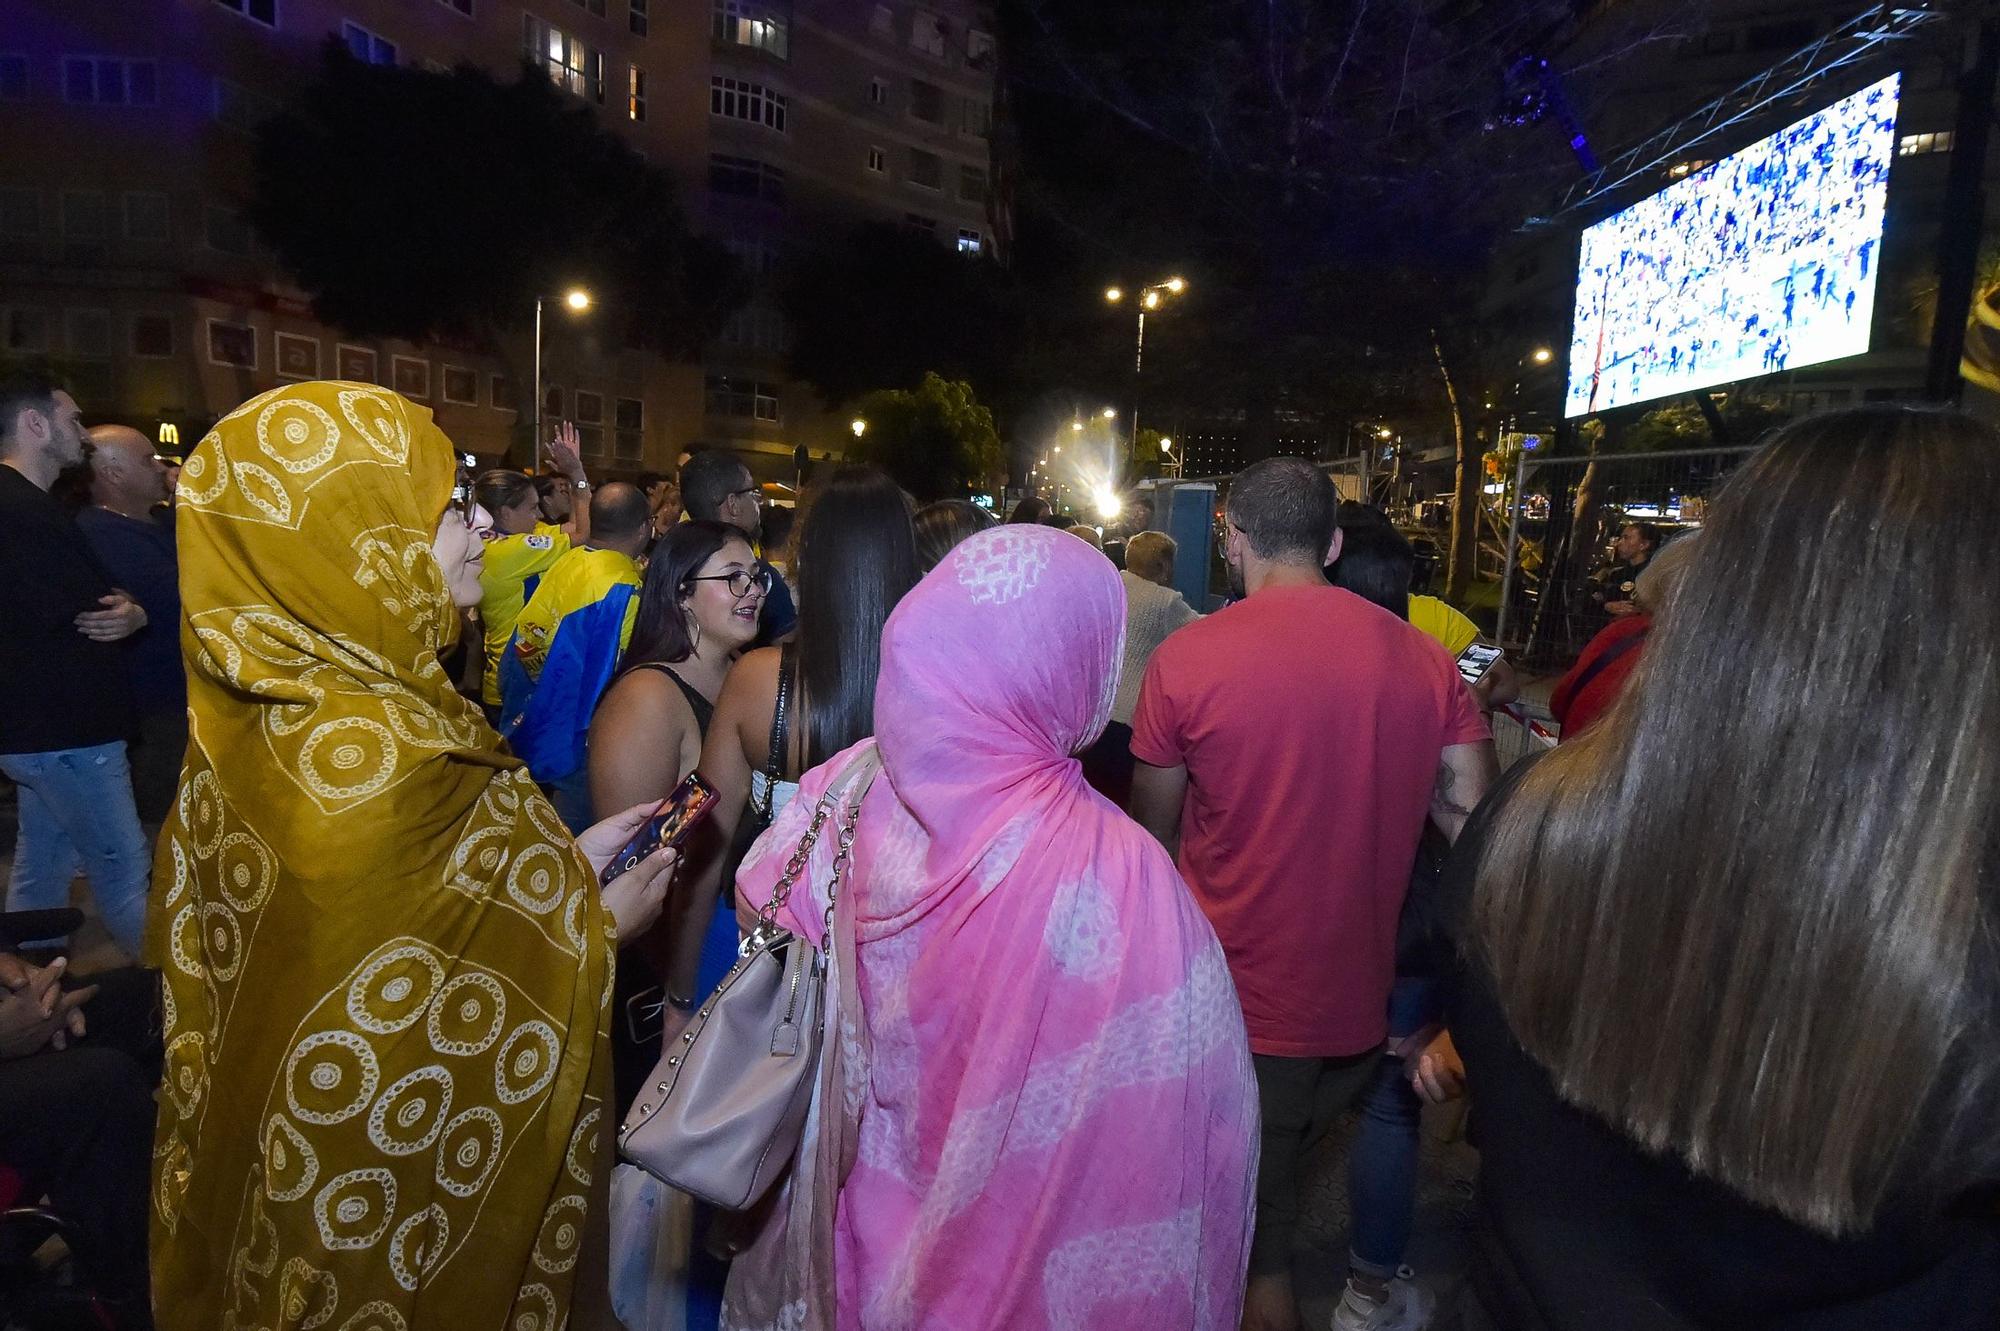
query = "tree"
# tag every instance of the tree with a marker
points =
(935, 439)
(884, 305)
(415, 204)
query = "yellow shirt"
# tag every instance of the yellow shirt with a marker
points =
(1442, 622)
(512, 562)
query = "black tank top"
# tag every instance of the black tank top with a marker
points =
(703, 709)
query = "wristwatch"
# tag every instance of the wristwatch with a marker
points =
(579, 485)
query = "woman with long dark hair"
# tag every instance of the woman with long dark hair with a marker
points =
(1733, 1009)
(784, 710)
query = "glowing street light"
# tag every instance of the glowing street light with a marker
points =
(1151, 298)
(1075, 427)
(1176, 285)
(1109, 505)
(1543, 355)
(1384, 432)
(1113, 295)
(577, 300)
(1111, 413)
(859, 426)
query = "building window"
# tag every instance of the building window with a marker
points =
(462, 6)
(927, 101)
(570, 65)
(367, 47)
(635, 17)
(356, 365)
(929, 34)
(746, 178)
(238, 107)
(106, 82)
(735, 99)
(878, 161)
(1919, 145)
(26, 331)
(631, 414)
(153, 336)
(232, 344)
(263, 11)
(635, 94)
(589, 408)
(979, 52)
(83, 215)
(20, 214)
(972, 184)
(297, 356)
(754, 24)
(460, 385)
(596, 7)
(90, 334)
(225, 232)
(917, 222)
(977, 118)
(410, 376)
(741, 399)
(926, 170)
(878, 92)
(970, 241)
(883, 23)
(13, 78)
(500, 393)
(145, 216)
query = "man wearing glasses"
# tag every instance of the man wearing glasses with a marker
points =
(717, 487)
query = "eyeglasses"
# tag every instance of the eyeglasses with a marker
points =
(756, 493)
(741, 582)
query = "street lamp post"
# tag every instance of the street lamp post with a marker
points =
(1150, 298)
(578, 300)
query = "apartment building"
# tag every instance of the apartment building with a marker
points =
(126, 163)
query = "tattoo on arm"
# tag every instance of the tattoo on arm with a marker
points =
(1444, 796)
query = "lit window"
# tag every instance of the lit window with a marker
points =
(367, 47)
(635, 94)
(635, 17)
(1919, 145)
(570, 65)
(970, 241)
(752, 23)
(878, 161)
(263, 11)
(735, 99)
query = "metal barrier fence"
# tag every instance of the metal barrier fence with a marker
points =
(1563, 515)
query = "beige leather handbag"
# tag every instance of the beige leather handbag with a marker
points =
(727, 1104)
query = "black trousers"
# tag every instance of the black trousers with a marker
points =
(77, 1125)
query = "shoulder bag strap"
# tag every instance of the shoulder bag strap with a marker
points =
(781, 734)
(1606, 657)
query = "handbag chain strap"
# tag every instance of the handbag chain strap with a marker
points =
(767, 918)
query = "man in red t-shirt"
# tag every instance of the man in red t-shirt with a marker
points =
(1290, 747)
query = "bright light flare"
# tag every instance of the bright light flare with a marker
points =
(1176, 285)
(577, 299)
(1113, 294)
(1543, 355)
(859, 426)
(1152, 301)
(1109, 505)
(1110, 413)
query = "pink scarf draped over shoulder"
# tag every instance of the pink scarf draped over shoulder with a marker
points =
(1044, 1109)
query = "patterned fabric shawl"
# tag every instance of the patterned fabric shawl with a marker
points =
(386, 965)
(1042, 1113)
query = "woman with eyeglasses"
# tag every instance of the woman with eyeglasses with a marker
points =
(787, 709)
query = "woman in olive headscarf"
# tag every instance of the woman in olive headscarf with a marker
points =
(387, 965)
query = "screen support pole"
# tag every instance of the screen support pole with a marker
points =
(1964, 212)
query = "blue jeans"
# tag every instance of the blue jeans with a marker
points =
(1382, 1170)
(76, 809)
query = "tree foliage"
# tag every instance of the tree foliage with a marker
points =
(936, 439)
(412, 203)
(883, 305)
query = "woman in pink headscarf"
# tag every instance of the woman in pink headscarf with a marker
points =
(1038, 1110)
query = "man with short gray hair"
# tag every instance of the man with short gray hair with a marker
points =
(1153, 610)
(1290, 747)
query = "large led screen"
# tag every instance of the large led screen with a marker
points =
(1761, 262)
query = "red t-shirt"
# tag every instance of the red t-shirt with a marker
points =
(1311, 724)
(1576, 708)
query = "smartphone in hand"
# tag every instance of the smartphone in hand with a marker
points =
(669, 825)
(1475, 661)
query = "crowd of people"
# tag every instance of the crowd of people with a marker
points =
(1123, 906)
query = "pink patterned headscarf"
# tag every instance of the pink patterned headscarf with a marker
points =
(1042, 1105)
